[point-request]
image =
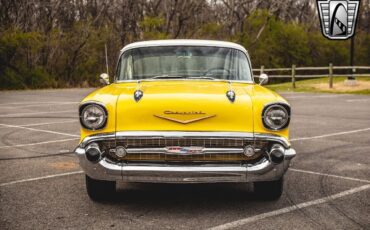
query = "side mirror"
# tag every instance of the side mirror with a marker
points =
(104, 79)
(263, 79)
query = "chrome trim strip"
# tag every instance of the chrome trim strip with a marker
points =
(199, 169)
(92, 102)
(271, 137)
(97, 137)
(203, 151)
(184, 134)
(184, 174)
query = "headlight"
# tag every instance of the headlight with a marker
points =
(93, 116)
(276, 116)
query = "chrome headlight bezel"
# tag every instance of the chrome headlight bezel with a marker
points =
(88, 105)
(278, 106)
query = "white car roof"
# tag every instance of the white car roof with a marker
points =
(184, 42)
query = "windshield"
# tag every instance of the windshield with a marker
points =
(191, 62)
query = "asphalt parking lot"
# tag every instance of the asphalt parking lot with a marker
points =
(42, 186)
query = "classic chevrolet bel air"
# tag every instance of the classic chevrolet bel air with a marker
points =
(184, 111)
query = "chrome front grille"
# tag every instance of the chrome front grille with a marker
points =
(155, 157)
(164, 142)
(153, 142)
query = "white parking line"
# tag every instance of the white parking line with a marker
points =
(330, 134)
(329, 175)
(241, 222)
(36, 103)
(21, 114)
(40, 178)
(46, 123)
(38, 143)
(40, 130)
(49, 123)
(39, 105)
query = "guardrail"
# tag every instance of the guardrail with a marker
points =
(330, 74)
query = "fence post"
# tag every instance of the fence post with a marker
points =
(293, 76)
(262, 68)
(331, 75)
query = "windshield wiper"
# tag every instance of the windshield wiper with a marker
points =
(165, 76)
(202, 77)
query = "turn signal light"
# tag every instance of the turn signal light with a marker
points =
(121, 151)
(249, 151)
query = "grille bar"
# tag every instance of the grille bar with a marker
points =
(203, 151)
(164, 142)
(153, 157)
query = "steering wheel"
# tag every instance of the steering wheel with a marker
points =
(219, 70)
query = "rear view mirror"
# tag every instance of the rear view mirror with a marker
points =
(263, 79)
(104, 79)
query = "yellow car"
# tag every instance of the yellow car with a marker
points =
(184, 111)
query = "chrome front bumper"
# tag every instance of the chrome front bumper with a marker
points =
(264, 170)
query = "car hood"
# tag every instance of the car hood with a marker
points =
(184, 106)
(191, 105)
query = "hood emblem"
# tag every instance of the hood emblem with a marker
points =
(167, 116)
(138, 94)
(230, 95)
(184, 113)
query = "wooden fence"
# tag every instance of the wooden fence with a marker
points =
(328, 69)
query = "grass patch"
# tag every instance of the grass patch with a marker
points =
(321, 85)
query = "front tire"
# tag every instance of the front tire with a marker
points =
(99, 190)
(269, 190)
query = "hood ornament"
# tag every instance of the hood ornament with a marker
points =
(138, 94)
(230, 94)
